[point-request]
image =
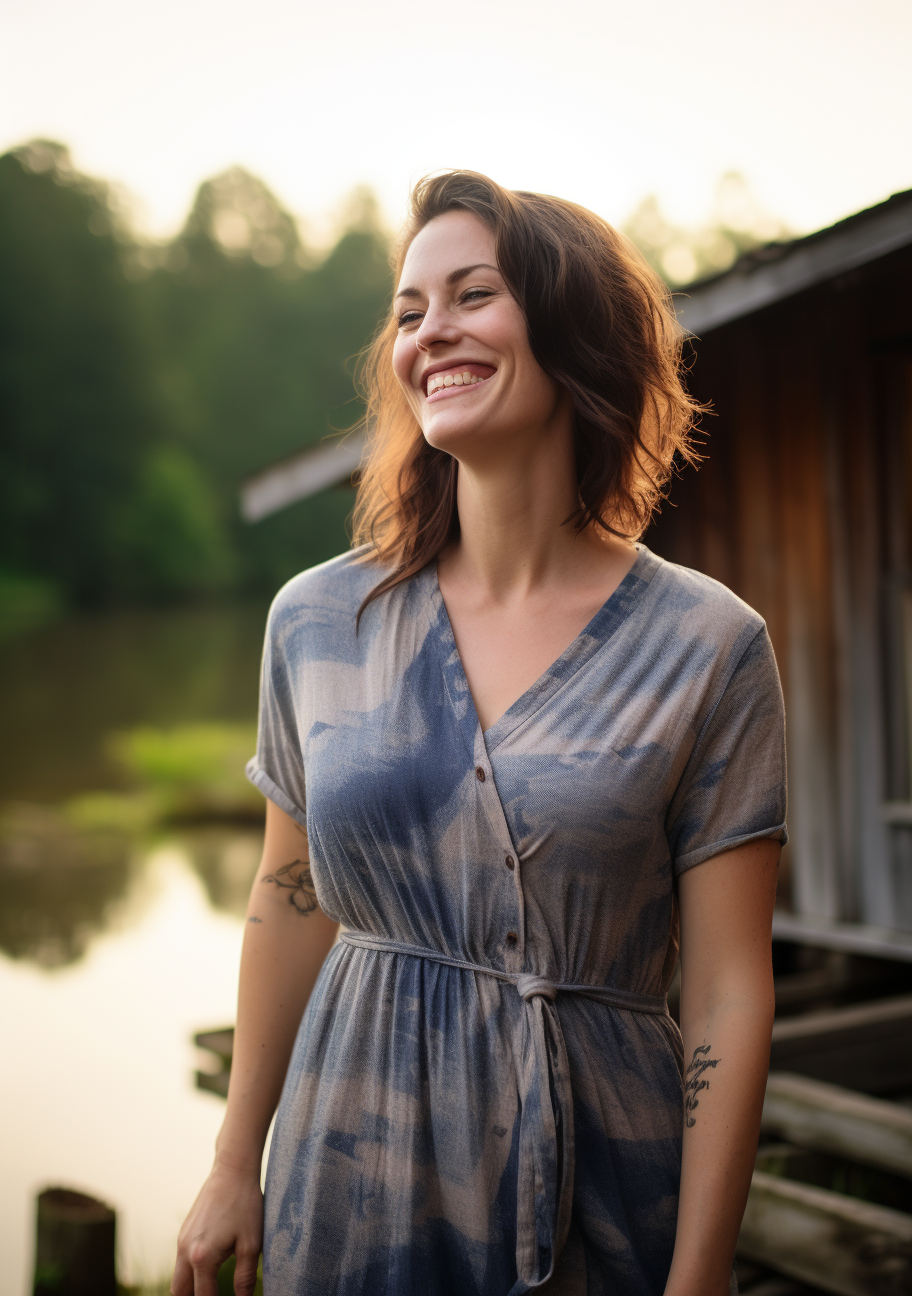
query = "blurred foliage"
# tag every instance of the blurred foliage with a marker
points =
(737, 223)
(192, 773)
(139, 384)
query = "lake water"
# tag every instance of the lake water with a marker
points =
(111, 961)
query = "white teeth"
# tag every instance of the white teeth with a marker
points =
(464, 379)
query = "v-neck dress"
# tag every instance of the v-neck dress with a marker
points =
(485, 1092)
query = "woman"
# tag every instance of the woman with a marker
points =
(508, 735)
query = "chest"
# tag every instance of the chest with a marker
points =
(504, 651)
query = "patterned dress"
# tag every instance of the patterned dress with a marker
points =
(485, 1093)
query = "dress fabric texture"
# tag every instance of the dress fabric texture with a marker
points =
(485, 1093)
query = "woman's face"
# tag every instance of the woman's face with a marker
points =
(462, 353)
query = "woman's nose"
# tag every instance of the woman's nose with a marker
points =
(438, 325)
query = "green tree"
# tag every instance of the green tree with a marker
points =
(76, 406)
(140, 384)
(255, 340)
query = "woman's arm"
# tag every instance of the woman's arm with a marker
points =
(727, 1005)
(286, 939)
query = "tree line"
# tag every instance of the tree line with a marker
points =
(139, 384)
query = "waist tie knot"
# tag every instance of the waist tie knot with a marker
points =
(544, 1189)
(527, 984)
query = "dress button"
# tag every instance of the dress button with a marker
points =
(512, 938)
(479, 774)
(510, 861)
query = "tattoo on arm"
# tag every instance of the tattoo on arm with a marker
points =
(296, 880)
(254, 919)
(694, 1082)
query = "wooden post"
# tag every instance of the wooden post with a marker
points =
(830, 1119)
(836, 1243)
(75, 1245)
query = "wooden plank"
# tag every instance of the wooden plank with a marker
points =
(854, 938)
(301, 476)
(866, 1046)
(812, 734)
(217, 1084)
(839, 1244)
(221, 1043)
(829, 1118)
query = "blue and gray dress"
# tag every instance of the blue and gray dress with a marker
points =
(485, 1094)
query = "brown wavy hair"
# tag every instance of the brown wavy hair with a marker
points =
(600, 323)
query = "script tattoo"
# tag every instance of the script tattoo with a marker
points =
(296, 880)
(694, 1082)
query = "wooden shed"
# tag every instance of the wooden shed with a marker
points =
(803, 506)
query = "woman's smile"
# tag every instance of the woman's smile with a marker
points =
(456, 379)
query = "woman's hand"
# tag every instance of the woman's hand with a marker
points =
(226, 1219)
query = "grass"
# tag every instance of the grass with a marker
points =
(225, 1284)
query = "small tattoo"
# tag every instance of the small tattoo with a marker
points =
(694, 1082)
(499, 1130)
(255, 919)
(296, 880)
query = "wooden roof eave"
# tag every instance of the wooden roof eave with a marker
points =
(778, 271)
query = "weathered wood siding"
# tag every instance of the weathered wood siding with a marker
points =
(802, 507)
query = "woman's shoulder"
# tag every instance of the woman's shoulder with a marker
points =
(326, 598)
(339, 582)
(698, 606)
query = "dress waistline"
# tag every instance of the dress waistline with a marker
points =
(527, 983)
(546, 1135)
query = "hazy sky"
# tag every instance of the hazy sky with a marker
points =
(595, 100)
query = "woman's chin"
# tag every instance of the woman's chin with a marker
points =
(450, 431)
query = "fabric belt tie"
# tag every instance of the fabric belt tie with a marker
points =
(546, 1151)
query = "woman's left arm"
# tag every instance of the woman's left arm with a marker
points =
(727, 1006)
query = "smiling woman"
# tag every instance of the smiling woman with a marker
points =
(595, 319)
(497, 741)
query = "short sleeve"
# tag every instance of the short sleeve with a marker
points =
(277, 769)
(733, 787)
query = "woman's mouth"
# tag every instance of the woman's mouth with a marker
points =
(457, 379)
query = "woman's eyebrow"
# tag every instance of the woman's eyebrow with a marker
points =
(453, 277)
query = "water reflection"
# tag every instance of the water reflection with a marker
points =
(225, 862)
(125, 864)
(60, 888)
(98, 1092)
(57, 886)
(66, 687)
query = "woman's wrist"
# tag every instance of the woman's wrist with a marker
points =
(239, 1154)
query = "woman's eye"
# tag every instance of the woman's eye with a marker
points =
(408, 317)
(477, 294)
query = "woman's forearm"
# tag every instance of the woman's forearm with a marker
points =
(727, 1007)
(726, 1052)
(286, 940)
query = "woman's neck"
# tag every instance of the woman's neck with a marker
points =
(512, 509)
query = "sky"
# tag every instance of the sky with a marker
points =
(598, 101)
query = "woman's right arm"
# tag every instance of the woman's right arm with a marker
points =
(286, 939)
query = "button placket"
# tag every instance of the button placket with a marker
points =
(510, 938)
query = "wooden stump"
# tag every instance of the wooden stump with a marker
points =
(75, 1245)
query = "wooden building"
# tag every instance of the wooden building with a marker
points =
(803, 506)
